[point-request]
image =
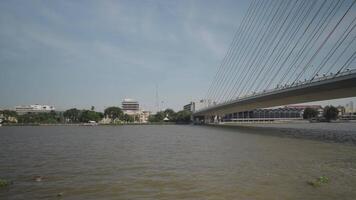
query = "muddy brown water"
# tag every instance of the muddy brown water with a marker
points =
(170, 162)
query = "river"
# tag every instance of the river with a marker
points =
(170, 162)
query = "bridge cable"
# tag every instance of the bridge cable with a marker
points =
(282, 51)
(288, 70)
(340, 41)
(238, 31)
(226, 89)
(311, 40)
(289, 12)
(253, 86)
(241, 75)
(323, 43)
(240, 37)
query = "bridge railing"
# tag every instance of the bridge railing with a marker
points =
(281, 88)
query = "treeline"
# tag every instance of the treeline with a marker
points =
(112, 114)
(8, 116)
(44, 118)
(179, 117)
(329, 113)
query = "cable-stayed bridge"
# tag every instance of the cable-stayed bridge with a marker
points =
(286, 52)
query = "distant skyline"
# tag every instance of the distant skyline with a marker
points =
(83, 53)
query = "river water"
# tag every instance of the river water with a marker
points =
(170, 162)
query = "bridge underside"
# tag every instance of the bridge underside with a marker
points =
(340, 87)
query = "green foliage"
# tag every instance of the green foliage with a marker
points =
(319, 181)
(45, 118)
(182, 116)
(8, 113)
(114, 113)
(4, 183)
(330, 113)
(89, 115)
(170, 114)
(128, 118)
(310, 113)
(158, 117)
(72, 114)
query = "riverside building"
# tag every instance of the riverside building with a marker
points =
(37, 108)
(132, 108)
(292, 112)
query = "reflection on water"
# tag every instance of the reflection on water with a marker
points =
(170, 162)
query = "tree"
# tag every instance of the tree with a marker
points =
(8, 113)
(330, 112)
(89, 115)
(92, 108)
(47, 118)
(9, 116)
(113, 112)
(310, 113)
(152, 118)
(183, 116)
(170, 113)
(158, 117)
(128, 118)
(72, 114)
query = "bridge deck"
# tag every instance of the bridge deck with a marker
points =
(332, 87)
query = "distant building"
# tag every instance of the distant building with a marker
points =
(341, 110)
(349, 108)
(287, 112)
(20, 110)
(275, 113)
(319, 108)
(189, 107)
(130, 107)
(196, 105)
(166, 119)
(144, 116)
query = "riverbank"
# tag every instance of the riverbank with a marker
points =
(86, 124)
(329, 132)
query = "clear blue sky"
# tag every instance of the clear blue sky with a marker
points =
(82, 53)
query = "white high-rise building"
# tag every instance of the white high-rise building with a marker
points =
(132, 107)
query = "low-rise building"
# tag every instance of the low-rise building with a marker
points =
(318, 108)
(341, 110)
(23, 109)
(144, 115)
(275, 113)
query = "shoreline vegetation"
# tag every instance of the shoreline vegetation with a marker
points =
(86, 124)
(111, 116)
